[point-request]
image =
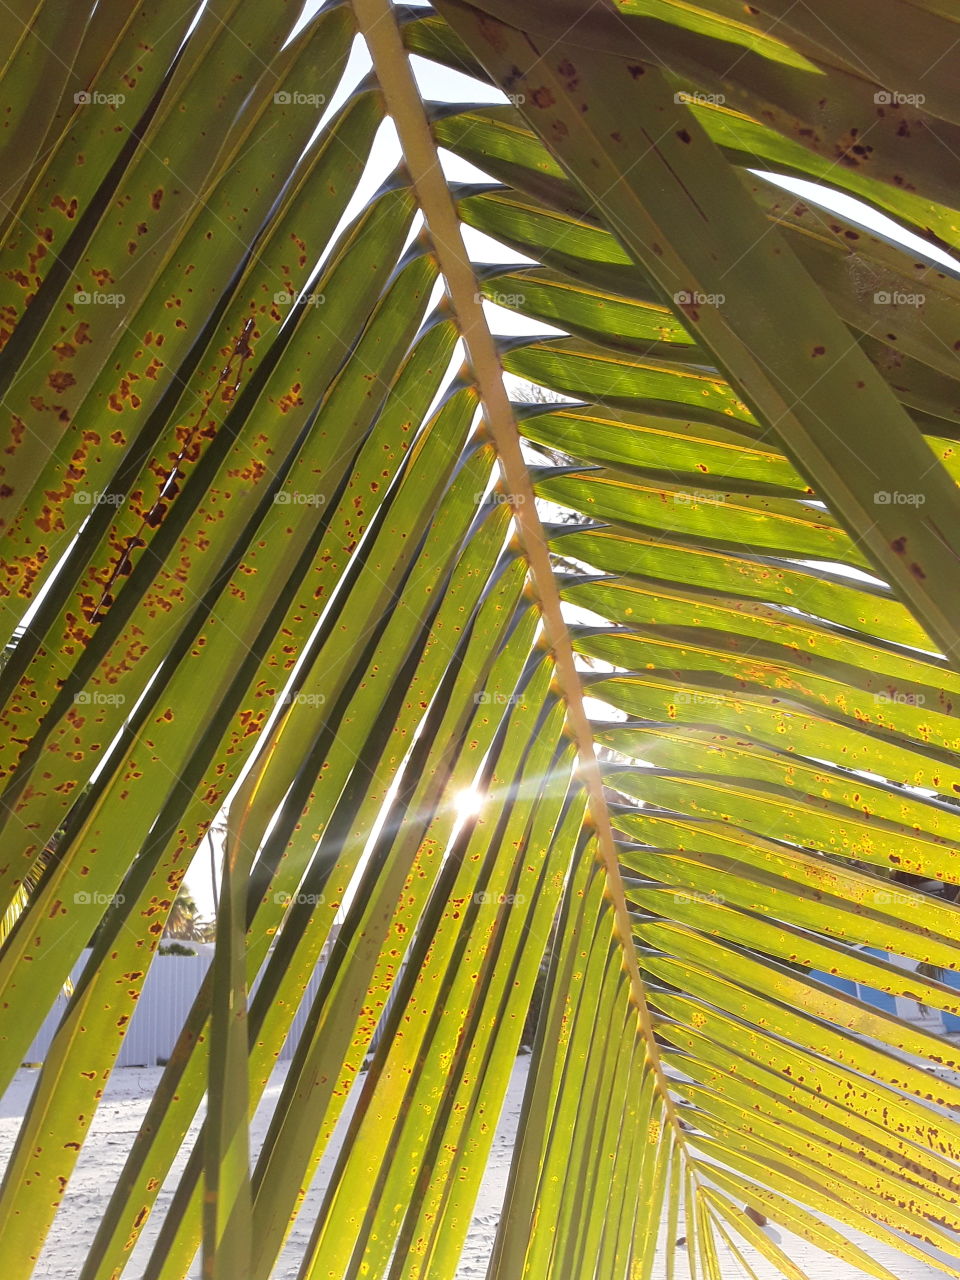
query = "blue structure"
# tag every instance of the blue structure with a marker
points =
(880, 999)
(951, 1023)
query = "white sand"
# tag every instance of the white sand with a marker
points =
(125, 1104)
(117, 1121)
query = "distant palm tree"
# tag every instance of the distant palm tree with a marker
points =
(184, 921)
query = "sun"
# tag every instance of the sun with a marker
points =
(468, 802)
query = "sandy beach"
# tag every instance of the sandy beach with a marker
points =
(125, 1104)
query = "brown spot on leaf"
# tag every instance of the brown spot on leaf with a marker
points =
(67, 207)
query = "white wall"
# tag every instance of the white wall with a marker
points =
(169, 989)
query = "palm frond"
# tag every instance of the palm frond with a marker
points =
(283, 555)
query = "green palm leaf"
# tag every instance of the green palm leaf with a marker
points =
(671, 720)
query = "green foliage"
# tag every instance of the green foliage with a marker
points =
(271, 560)
(175, 949)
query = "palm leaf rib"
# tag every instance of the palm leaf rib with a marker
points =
(377, 24)
(599, 697)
